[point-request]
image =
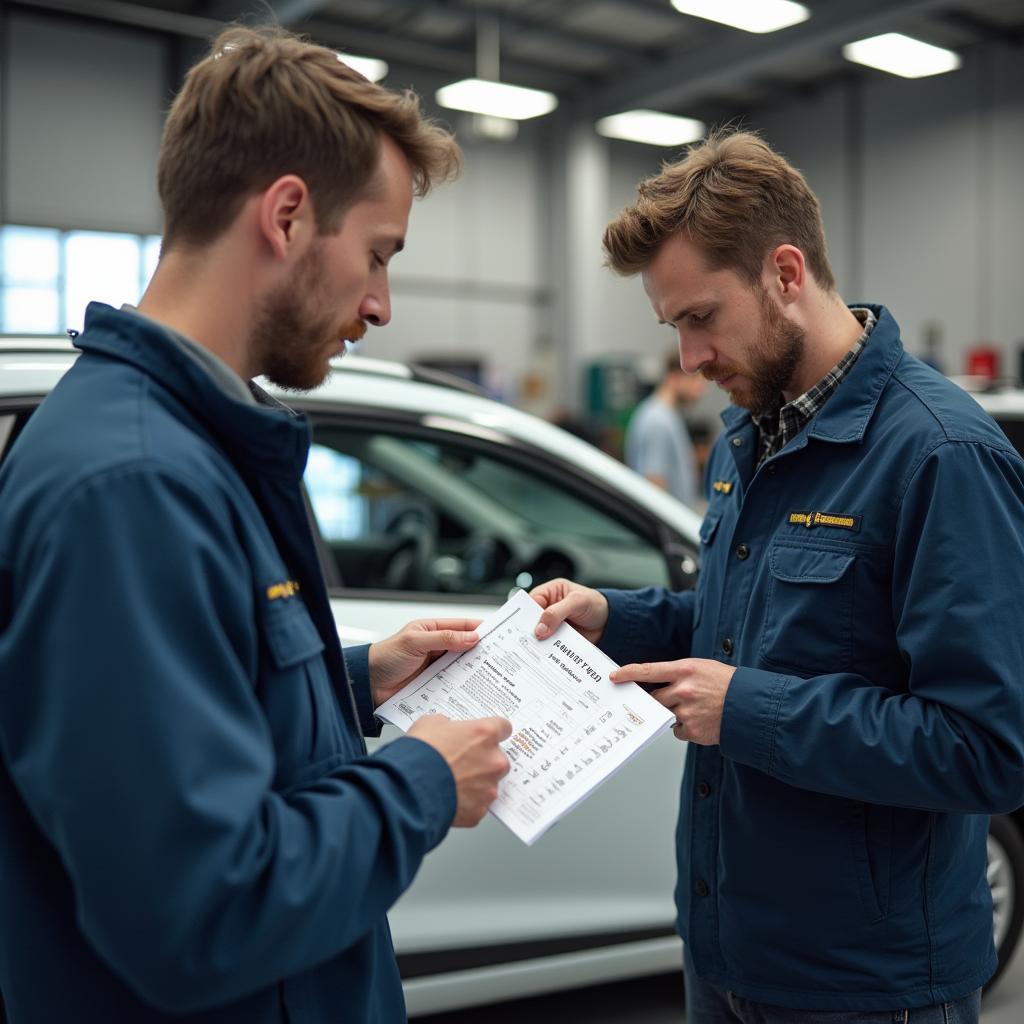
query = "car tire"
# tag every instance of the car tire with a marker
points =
(1006, 877)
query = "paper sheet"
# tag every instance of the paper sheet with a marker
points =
(572, 728)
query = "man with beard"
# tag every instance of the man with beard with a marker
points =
(849, 672)
(191, 825)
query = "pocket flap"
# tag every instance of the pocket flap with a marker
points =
(709, 526)
(291, 636)
(808, 565)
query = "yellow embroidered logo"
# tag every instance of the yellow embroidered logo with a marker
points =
(836, 520)
(278, 590)
(722, 486)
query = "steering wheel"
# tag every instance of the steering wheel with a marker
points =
(410, 566)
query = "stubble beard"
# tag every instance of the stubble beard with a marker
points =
(291, 343)
(772, 362)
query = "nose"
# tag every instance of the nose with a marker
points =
(694, 354)
(376, 305)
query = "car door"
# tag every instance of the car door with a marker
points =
(426, 523)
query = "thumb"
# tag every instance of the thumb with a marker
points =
(502, 727)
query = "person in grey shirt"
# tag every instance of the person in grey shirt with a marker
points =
(658, 444)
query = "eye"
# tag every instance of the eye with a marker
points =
(700, 319)
(378, 260)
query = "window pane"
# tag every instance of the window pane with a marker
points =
(29, 256)
(440, 516)
(101, 267)
(29, 311)
(332, 480)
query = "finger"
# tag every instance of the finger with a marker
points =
(551, 618)
(437, 625)
(441, 640)
(502, 727)
(548, 593)
(648, 672)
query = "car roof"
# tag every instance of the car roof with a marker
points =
(363, 385)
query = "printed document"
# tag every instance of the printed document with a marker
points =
(571, 727)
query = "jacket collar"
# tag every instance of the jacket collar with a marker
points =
(266, 439)
(845, 416)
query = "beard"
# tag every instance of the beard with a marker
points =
(291, 342)
(771, 362)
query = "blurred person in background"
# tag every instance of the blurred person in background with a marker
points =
(658, 443)
(191, 828)
(849, 672)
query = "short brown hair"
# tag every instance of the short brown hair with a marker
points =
(736, 198)
(264, 103)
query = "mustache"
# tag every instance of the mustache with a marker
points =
(354, 330)
(716, 371)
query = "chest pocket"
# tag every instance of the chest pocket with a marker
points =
(297, 694)
(708, 530)
(808, 624)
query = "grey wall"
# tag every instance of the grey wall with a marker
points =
(83, 115)
(921, 185)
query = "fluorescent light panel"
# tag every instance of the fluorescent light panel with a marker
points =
(749, 15)
(901, 55)
(496, 99)
(368, 67)
(652, 127)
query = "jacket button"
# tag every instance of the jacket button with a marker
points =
(702, 888)
(727, 646)
(703, 789)
(770, 469)
(742, 551)
(737, 442)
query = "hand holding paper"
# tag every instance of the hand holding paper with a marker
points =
(572, 727)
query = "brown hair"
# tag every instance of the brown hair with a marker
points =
(735, 197)
(264, 103)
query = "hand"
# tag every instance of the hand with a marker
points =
(695, 693)
(472, 752)
(585, 609)
(398, 658)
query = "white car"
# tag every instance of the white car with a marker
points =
(433, 500)
(430, 499)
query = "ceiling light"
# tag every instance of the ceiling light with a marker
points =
(652, 127)
(901, 55)
(496, 99)
(368, 67)
(749, 15)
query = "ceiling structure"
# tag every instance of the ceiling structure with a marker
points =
(598, 56)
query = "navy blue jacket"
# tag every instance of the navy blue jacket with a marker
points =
(866, 582)
(189, 821)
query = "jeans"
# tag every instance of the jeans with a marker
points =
(708, 1004)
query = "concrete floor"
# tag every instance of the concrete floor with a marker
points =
(659, 1001)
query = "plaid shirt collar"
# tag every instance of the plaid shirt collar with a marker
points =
(778, 427)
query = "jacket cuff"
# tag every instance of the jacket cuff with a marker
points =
(750, 717)
(357, 662)
(622, 632)
(431, 779)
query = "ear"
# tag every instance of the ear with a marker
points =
(286, 219)
(785, 272)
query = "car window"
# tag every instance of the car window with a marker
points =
(438, 513)
(6, 429)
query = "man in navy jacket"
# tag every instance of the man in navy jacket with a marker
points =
(190, 825)
(849, 671)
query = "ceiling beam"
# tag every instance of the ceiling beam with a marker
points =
(675, 82)
(123, 13)
(280, 12)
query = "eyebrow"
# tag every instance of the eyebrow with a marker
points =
(682, 314)
(398, 246)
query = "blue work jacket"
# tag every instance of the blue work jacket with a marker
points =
(866, 583)
(189, 822)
